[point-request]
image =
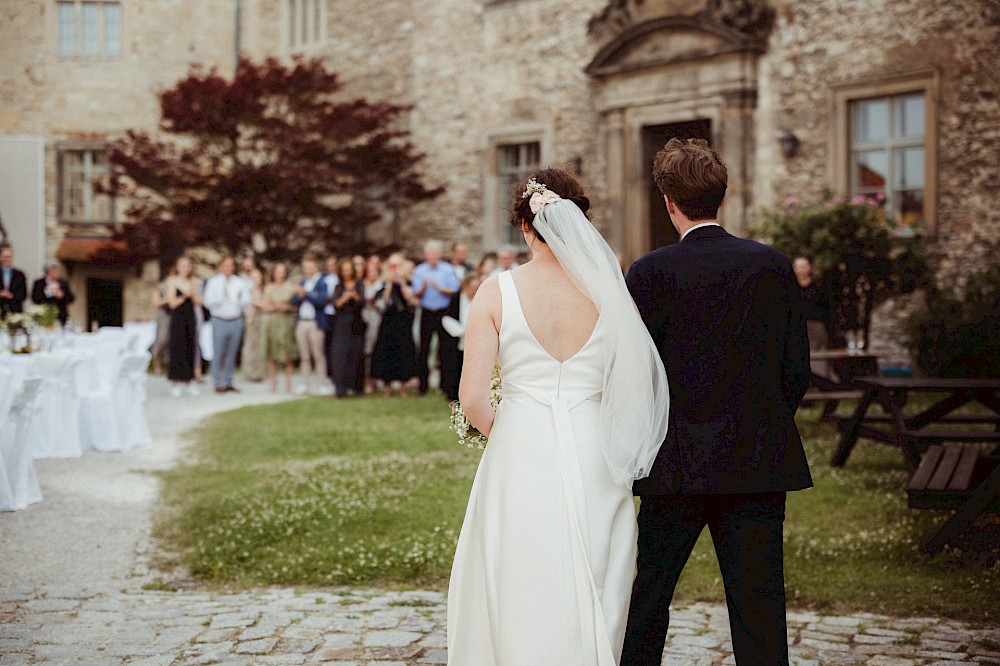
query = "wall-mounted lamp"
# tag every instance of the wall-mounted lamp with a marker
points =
(577, 162)
(789, 144)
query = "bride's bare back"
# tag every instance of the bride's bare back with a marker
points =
(560, 317)
(558, 314)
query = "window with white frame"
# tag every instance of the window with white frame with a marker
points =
(304, 22)
(79, 199)
(514, 162)
(89, 28)
(888, 154)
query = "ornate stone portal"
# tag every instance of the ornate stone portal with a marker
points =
(674, 68)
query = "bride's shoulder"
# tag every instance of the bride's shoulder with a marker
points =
(487, 304)
(489, 291)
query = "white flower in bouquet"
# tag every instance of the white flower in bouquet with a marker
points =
(467, 434)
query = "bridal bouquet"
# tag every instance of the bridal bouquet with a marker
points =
(467, 434)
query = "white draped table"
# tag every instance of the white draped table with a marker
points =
(88, 394)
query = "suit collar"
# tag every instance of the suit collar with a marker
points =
(708, 231)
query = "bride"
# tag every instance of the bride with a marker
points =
(544, 564)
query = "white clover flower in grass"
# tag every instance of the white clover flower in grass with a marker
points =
(468, 436)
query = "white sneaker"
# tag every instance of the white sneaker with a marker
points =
(301, 390)
(193, 390)
(176, 391)
(324, 390)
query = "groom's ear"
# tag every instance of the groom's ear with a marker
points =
(671, 208)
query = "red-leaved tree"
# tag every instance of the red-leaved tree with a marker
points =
(272, 162)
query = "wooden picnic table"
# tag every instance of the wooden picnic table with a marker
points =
(847, 365)
(913, 433)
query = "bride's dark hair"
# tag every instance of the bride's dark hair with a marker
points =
(561, 182)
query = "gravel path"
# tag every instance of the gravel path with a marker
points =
(72, 571)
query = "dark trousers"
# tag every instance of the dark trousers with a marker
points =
(328, 346)
(746, 531)
(451, 366)
(430, 323)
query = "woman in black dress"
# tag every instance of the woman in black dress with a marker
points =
(348, 339)
(395, 358)
(183, 293)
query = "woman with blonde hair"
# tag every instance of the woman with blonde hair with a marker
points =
(394, 359)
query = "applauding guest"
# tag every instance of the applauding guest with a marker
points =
(394, 358)
(372, 316)
(183, 297)
(434, 283)
(252, 352)
(348, 329)
(226, 297)
(311, 298)
(453, 345)
(278, 326)
(53, 290)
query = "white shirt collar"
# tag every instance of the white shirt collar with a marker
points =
(699, 226)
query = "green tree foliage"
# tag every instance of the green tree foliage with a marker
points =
(852, 246)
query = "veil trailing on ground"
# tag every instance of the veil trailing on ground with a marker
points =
(636, 400)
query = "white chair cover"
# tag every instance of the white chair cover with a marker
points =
(130, 400)
(7, 431)
(140, 335)
(21, 487)
(59, 407)
(112, 333)
(96, 382)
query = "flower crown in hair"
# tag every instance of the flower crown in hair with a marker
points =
(540, 195)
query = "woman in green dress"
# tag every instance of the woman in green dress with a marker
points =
(278, 326)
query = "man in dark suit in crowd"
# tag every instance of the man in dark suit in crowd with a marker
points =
(725, 314)
(53, 289)
(13, 284)
(453, 342)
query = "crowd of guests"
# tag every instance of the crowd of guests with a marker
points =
(352, 325)
(50, 289)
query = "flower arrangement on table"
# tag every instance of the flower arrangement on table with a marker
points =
(19, 325)
(44, 314)
(467, 434)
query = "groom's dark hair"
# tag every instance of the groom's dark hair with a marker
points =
(693, 176)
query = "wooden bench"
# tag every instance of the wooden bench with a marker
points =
(813, 394)
(952, 476)
(913, 433)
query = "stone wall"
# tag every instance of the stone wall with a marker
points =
(70, 98)
(818, 46)
(481, 72)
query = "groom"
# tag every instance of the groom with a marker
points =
(723, 312)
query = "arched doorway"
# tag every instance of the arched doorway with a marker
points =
(659, 74)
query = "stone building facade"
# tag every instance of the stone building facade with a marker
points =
(870, 95)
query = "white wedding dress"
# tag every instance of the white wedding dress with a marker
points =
(544, 564)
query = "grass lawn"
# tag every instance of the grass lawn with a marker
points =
(372, 492)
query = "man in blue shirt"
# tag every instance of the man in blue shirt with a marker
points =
(434, 283)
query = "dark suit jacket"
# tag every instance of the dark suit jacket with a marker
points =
(319, 297)
(725, 314)
(19, 287)
(38, 296)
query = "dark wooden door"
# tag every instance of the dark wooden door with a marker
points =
(654, 137)
(104, 302)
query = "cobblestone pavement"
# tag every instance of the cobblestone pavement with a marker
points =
(73, 569)
(380, 628)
